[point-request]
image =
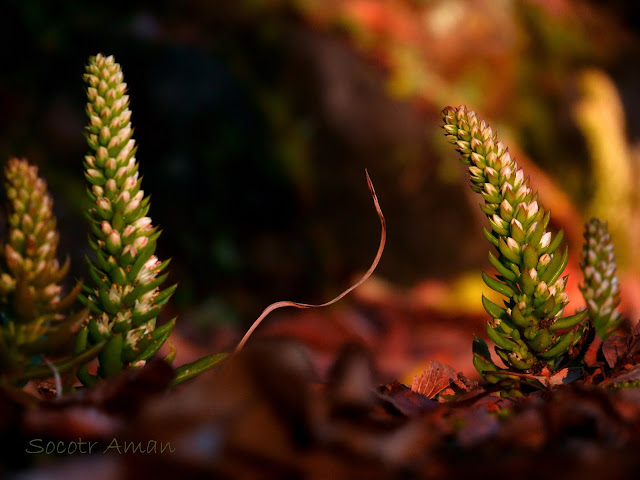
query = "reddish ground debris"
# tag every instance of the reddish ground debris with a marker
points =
(264, 414)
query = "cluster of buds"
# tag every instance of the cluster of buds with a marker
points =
(529, 331)
(31, 298)
(600, 289)
(125, 298)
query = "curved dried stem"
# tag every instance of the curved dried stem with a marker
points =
(367, 274)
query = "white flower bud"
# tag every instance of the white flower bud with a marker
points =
(476, 172)
(506, 171)
(544, 260)
(142, 223)
(104, 204)
(139, 196)
(507, 207)
(519, 179)
(512, 244)
(115, 294)
(125, 196)
(52, 290)
(131, 206)
(545, 240)
(516, 224)
(499, 221)
(114, 238)
(140, 242)
(490, 189)
(490, 172)
(541, 289)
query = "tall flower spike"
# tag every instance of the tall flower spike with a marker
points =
(528, 331)
(30, 292)
(125, 298)
(600, 289)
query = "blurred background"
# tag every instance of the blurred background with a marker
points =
(255, 120)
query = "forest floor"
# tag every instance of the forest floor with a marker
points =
(322, 394)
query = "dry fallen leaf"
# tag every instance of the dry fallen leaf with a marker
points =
(434, 379)
(441, 379)
(614, 348)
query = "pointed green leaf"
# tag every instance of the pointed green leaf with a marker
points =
(556, 267)
(482, 361)
(569, 322)
(490, 236)
(190, 370)
(501, 341)
(561, 347)
(519, 319)
(502, 270)
(111, 357)
(497, 286)
(507, 252)
(492, 309)
(160, 336)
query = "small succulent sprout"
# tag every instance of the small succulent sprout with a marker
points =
(600, 290)
(35, 321)
(528, 260)
(125, 297)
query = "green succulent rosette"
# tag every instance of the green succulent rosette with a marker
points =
(125, 297)
(33, 307)
(600, 289)
(528, 330)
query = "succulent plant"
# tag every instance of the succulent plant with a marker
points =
(600, 289)
(529, 331)
(125, 297)
(33, 308)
